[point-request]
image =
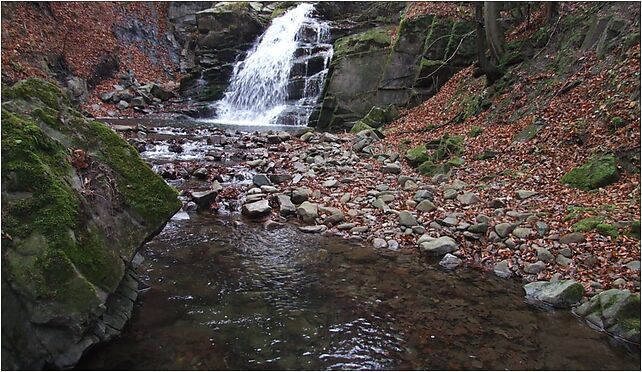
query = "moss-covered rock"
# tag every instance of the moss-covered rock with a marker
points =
(616, 311)
(417, 155)
(68, 231)
(372, 39)
(599, 171)
(587, 224)
(635, 229)
(359, 126)
(561, 293)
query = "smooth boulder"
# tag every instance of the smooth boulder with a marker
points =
(561, 293)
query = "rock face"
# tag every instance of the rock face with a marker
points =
(65, 250)
(562, 293)
(368, 70)
(616, 311)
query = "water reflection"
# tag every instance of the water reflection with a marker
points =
(242, 297)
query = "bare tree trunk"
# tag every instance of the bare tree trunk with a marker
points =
(487, 68)
(550, 9)
(494, 32)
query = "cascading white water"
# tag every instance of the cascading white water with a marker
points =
(281, 80)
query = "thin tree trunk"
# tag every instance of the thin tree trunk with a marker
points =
(494, 32)
(486, 67)
(550, 9)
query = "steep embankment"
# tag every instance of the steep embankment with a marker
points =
(570, 96)
(77, 203)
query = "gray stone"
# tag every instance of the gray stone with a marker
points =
(379, 243)
(300, 195)
(450, 262)
(378, 203)
(439, 246)
(359, 229)
(535, 268)
(483, 219)
(330, 183)
(562, 293)
(450, 194)
(544, 254)
(286, 207)
(633, 265)
(308, 212)
(456, 185)
(615, 310)
(423, 195)
(478, 228)
(510, 243)
(257, 209)
(407, 219)
(345, 198)
(496, 203)
(561, 260)
(313, 229)
(502, 270)
(122, 105)
(269, 189)
(571, 238)
(261, 180)
(410, 185)
(542, 228)
(522, 232)
(504, 229)
(306, 137)
(346, 226)
(524, 194)
(566, 252)
(468, 198)
(203, 199)
(334, 218)
(426, 206)
(393, 245)
(391, 168)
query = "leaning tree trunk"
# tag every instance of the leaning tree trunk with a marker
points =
(550, 9)
(486, 67)
(494, 31)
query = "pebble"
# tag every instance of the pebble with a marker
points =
(379, 243)
(450, 261)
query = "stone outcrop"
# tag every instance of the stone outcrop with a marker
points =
(616, 311)
(77, 203)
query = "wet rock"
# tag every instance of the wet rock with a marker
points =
(561, 293)
(502, 270)
(450, 262)
(286, 207)
(204, 199)
(345, 226)
(391, 168)
(308, 212)
(504, 229)
(426, 206)
(216, 186)
(379, 243)
(407, 219)
(468, 198)
(616, 311)
(122, 105)
(571, 238)
(544, 254)
(257, 209)
(201, 173)
(524, 194)
(496, 203)
(306, 137)
(269, 189)
(261, 180)
(138, 101)
(274, 139)
(301, 195)
(535, 268)
(393, 245)
(279, 178)
(334, 218)
(313, 229)
(438, 246)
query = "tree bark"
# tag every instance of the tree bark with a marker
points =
(485, 66)
(494, 32)
(550, 9)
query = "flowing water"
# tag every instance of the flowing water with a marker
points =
(281, 79)
(228, 294)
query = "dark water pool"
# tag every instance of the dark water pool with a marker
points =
(229, 296)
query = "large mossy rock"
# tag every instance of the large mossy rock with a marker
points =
(561, 293)
(616, 311)
(599, 171)
(77, 203)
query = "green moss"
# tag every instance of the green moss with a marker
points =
(635, 229)
(144, 191)
(455, 162)
(370, 40)
(32, 89)
(527, 133)
(487, 154)
(607, 230)
(417, 155)
(359, 126)
(587, 224)
(428, 168)
(617, 122)
(448, 146)
(598, 172)
(475, 131)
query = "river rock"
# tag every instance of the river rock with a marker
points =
(438, 246)
(426, 206)
(261, 180)
(535, 268)
(286, 207)
(256, 209)
(478, 228)
(407, 219)
(203, 199)
(308, 212)
(300, 195)
(313, 229)
(450, 262)
(615, 310)
(544, 254)
(633, 265)
(379, 243)
(561, 293)
(468, 198)
(524, 194)
(450, 194)
(422, 195)
(345, 197)
(502, 270)
(522, 232)
(542, 228)
(504, 229)
(571, 238)
(392, 168)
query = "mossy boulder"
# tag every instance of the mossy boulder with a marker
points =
(417, 155)
(616, 311)
(77, 202)
(587, 224)
(373, 39)
(561, 293)
(599, 171)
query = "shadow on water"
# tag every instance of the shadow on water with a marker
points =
(224, 296)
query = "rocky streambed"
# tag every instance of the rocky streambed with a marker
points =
(302, 250)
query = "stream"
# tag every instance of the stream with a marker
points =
(229, 294)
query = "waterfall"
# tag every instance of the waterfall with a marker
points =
(281, 79)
